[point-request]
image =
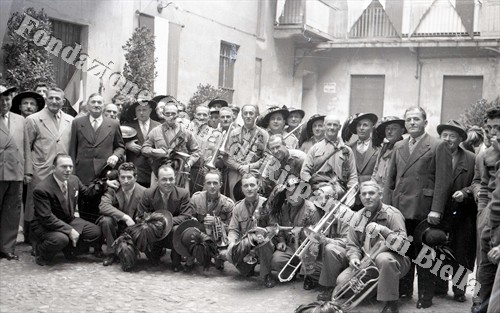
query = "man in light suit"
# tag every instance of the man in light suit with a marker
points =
(96, 142)
(56, 226)
(419, 181)
(172, 198)
(141, 116)
(15, 160)
(48, 135)
(118, 208)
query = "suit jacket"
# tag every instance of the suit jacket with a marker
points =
(46, 141)
(141, 161)
(15, 155)
(177, 203)
(366, 165)
(89, 150)
(421, 182)
(113, 202)
(52, 211)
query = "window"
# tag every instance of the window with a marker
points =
(258, 78)
(367, 94)
(459, 92)
(228, 54)
(68, 33)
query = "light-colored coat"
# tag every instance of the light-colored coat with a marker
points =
(46, 141)
(15, 155)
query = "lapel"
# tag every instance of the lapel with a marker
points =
(65, 123)
(57, 191)
(46, 121)
(137, 127)
(368, 155)
(4, 128)
(103, 131)
(87, 130)
(460, 167)
(120, 197)
(422, 147)
(405, 149)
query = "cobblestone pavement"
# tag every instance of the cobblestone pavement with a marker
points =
(85, 285)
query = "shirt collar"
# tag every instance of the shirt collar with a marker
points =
(99, 119)
(417, 139)
(364, 142)
(59, 182)
(7, 115)
(130, 191)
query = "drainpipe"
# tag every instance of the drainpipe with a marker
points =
(418, 74)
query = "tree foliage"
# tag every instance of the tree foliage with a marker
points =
(140, 61)
(25, 62)
(476, 113)
(203, 94)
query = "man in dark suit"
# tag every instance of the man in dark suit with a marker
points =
(419, 182)
(172, 198)
(140, 118)
(461, 210)
(56, 226)
(16, 167)
(118, 208)
(96, 141)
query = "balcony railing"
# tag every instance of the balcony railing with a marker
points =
(336, 20)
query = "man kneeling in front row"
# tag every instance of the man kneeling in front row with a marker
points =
(57, 226)
(386, 223)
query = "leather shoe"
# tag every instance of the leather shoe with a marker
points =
(9, 256)
(109, 259)
(423, 304)
(459, 298)
(326, 295)
(269, 281)
(405, 296)
(390, 307)
(177, 268)
(41, 261)
(309, 283)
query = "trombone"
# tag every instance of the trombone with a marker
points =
(292, 266)
(221, 148)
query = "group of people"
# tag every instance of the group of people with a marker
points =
(254, 194)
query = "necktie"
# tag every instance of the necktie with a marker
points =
(57, 120)
(413, 142)
(64, 189)
(95, 125)
(144, 129)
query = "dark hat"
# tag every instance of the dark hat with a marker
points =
(385, 121)
(169, 222)
(16, 102)
(6, 90)
(222, 102)
(429, 235)
(183, 235)
(272, 110)
(301, 112)
(361, 116)
(130, 111)
(214, 111)
(455, 126)
(310, 122)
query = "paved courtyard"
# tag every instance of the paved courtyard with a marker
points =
(85, 285)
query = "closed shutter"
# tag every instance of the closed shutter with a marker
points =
(459, 92)
(367, 94)
(68, 33)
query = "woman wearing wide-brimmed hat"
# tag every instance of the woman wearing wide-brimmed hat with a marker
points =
(313, 133)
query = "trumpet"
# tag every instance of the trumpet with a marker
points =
(220, 148)
(362, 281)
(322, 227)
(219, 233)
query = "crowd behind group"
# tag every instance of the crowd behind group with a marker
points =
(138, 176)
